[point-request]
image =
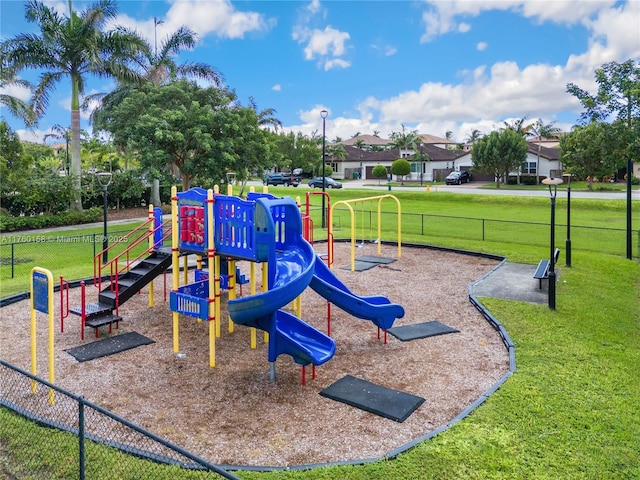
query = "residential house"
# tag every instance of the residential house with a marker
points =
(360, 163)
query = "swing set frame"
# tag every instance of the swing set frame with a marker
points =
(348, 203)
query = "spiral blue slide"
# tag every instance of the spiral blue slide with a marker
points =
(293, 266)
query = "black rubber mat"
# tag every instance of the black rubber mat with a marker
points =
(420, 330)
(108, 346)
(383, 401)
(373, 259)
(360, 266)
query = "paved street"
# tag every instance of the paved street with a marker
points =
(471, 188)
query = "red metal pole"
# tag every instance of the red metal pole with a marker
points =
(84, 310)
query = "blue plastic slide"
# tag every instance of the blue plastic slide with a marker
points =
(377, 308)
(294, 267)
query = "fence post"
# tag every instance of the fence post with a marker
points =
(81, 438)
(13, 259)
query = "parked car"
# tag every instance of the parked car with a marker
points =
(329, 183)
(277, 179)
(458, 178)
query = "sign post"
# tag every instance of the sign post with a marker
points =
(42, 301)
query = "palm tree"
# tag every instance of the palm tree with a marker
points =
(58, 132)
(540, 130)
(17, 107)
(76, 47)
(404, 140)
(159, 67)
(336, 151)
(473, 136)
(517, 126)
(265, 117)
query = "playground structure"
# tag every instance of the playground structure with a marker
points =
(221, 230)
(268, 230)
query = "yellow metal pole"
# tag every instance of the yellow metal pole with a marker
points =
(252, 291)
(353, 229)
(231, 279)
(50, 327)
(216, 280)
(265, 287)
(379, 198)
(213, 300)
(175, 264)
(52, 377)
(34, 363)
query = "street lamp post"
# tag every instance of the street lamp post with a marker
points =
(567, 253)
(104, 179)
(323, 114)
(553, 185)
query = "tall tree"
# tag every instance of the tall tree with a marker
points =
(74, 47)
(517, 126)
(499, 153)
(200, 132)
(157, 67)
(58, 132)
(617, 101)
(405, 140)
(14, 164)
(539, 130)
(336, 151)
(618, 95)
(473, 136)
(266, 116)
(585, 152)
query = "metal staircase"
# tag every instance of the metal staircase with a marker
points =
(127, 276)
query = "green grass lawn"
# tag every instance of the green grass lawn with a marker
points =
(570, 411)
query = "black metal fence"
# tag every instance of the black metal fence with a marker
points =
(72, 256)
(103, 445)
(430, 228)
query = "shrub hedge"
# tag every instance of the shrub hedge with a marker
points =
(9, 223)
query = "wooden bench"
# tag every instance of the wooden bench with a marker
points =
(542, 271)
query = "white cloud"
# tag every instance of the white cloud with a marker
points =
(482, 46)
(327, 42)
(389, 51)
(386, 50)
(336, 63)
(277, 87)
(490, 94)
(326, 45)
(34, 136)
(314, 7)
(17, 91)
(440, 17)
(219, 18)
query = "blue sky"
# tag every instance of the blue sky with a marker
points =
(431, 66)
